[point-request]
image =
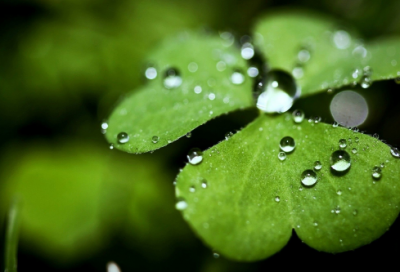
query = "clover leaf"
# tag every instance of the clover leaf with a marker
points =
(337, 188)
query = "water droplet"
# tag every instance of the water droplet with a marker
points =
(338, 192)
(282, 156)
(376, 172)
(197, 89)
(342, 143)
(227, 38)
(181, 204)
(287, 144)
(341, 39)
(356, 139)
(247, 51)
(278, 92)
(317, 120)
(309, 178)
(337, 210)
(188, 135)
(111, 267)
(104, 126)
(315, 224)
(215, 255)
(395, 152)
(150, 73)
(155, 139)
(111, 146)
(298, 72)
(122, 137)
(298, 116)
(366, 77)
(228, 135)
(354, 150)
(204, 184)
(277, 199)
(195, 156)
(192, 189)
(303, 55)
(172, 78)
(317, 165)
(237, 77)
(335, 124)
(211, 96)
(221, 66)
(192, 67)
(340, 161)
(252, 71)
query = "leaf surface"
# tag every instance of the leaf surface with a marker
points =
(253, 200)
(171, 113)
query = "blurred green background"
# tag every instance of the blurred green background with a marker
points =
(65, 64)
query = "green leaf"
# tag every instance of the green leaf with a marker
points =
(238, 213)
(12, 234)
(171, 113)
(334, 53)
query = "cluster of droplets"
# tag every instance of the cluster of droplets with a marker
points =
(287, 145)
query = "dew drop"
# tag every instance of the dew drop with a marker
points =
(303, 55)
(188, 135)
(356, 139)
(277, 199)
(337, 210)
(228, 135)
(282, 156)
(317, 165)
(342, 143)
(247, 51)
(287, 144)
(197, 89)
(111, 146)
(181, 204)
(252, 71)
(366, 77)
(298, 116)
(221, 66)
(155, 139)
(355, 212)
(395, 152)
(104, 126)
(192, 67)
(237, 77)
(376, 172)
(309, 178)
(338, 192)
(315, 224)
(342, 39)
(278, 92)
(340, 161)
(150, 73)
(215, 255)
(192, 189)
(172, 78)
(204, 184)
(195, 156)
(354, 150)
(211, 96)
(335, 124)
(122, 137)
(317, 120)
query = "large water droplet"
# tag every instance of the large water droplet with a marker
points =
(395, 152)
(172, 78)
(155, 139)
(150, 73)
(298, 116)
(278, 92)
(309, 178)
(122, 137)
(237, 77)
(376, 172)
(317, 165)
(340, 161)
(287, 144)
(195, 156)
(282, 156)
(181, 204)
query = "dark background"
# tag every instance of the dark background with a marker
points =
(64, 64)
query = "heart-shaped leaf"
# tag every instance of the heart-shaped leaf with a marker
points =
(244, 202)
(196, 78)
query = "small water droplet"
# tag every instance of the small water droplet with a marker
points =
(197, 89)
(277, 199)
(395, 152)
(221, 66)
(376, 172)
(111, 146)
(211, 96)
(298, 72)
(278, 92)
(181, 204)
(150, 73)
(188, 135)
(192, 67)
(342, 39)
(155, 139)
(204, 184)
(104, 126)
(366, 77)
(337, 210)
(338, 192)
(122, 137)
(172, 78)
(309, 178)
(317, 120)
(354, 150)
(287, 144)
(228, 135)
(342, 143)
(282, 156)
(355, 212)
(303, 55)
(247, 51)
(335, 124)
(382, 165)
(237, 77)
(252, 71)
(298, 116)
(215, 255)
(317, 165)
(340, 161)
(195, 156)
(356, 139)
(192, 189)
